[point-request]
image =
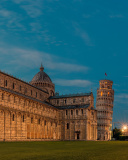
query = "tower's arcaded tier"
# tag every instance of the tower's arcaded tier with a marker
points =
(104, 106)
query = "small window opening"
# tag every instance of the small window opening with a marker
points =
(13, 86)
(31, 120)
(2, 96)
(23, 118)
(9, 98)
(13, 117)
(67, 125)
(38, 121)
(6, 83)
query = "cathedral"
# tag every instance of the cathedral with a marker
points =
(34, 112)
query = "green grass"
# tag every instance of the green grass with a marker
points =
(64, 150)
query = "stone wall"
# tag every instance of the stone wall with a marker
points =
(23, 118)
(79, 124)
(75, 100)
(25, 114)
(19, 86)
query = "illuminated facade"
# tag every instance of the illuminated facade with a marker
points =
(32, 111)
(104, 106)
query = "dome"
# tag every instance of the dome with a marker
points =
(41, 76)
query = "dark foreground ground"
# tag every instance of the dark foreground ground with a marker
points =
(80, 150)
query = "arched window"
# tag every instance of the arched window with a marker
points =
(82, 99)
(9, 98)
(6, 83)
(38, 121)
(2, 96)
(74, 100)
(31, 92)
(25, 90)
(66, 112)
(45, 122)
(71, 112)
(13, 117)
(31, 119)
(102, 86)
(81, 111)
(13, 86)
(23, 118)
(67, 125)
(20, 88)
(76, 112)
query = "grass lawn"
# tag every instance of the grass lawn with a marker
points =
(67, 150)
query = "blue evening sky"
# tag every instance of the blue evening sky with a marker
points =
(76, 40)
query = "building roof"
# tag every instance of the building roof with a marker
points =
(70, 95)
(41, 76)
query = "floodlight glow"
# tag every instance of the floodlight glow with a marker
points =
(125, 127)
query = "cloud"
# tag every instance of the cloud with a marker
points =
(5, 13)
(32, 7)
(30, 58)
(83, 34)
(121, 98)
(16, 21)
(116, 16)
(41, 32)
(87, 16)
(11, 20)
(68, 67)
(76, 82)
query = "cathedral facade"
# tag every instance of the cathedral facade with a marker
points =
(32, 111)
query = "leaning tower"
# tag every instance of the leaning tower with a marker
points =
(104, 106)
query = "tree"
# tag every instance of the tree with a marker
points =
(117, 133)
